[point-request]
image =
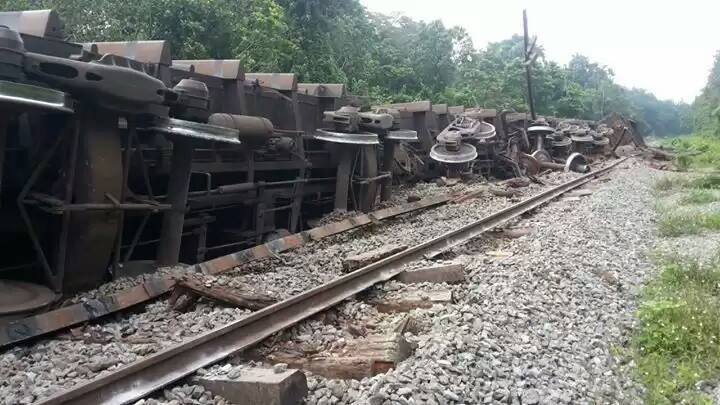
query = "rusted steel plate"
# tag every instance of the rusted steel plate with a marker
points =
(415, 106)
(228, 262)
(277, 81)
(440, 108)
(52, 321)
(222, 68)
(37, 325)
(40, 23)
(155, 52)
(483, 113)
(456, 109)
(330, 90)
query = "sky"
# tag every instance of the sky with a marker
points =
(666, 47)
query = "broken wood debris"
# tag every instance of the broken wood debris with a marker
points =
(451, 274)
(188, 291)
(361, 358)
(355, 262)
(52, 321)
(503, 193)
(412, 300)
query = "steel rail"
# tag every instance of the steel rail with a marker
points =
(137, 380)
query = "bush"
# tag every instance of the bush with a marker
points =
(677, 344)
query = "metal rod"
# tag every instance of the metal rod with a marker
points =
(342, 179)
(69, 191)
(528, 74)
(171, 233)
(388, 160)
(136, 238)
(3, 144)
(619, 141)
(24, 214)
(123, 191)
(136, 380)
(143, 166)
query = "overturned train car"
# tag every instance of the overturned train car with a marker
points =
(115, 158)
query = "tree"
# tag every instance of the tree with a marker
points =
(388, 58)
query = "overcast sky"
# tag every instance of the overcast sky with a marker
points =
(666, 47)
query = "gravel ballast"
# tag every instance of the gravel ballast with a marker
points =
(507, 333)
(538, 323)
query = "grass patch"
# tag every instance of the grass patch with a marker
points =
(676, 223)
(699, 196)
(696, 152)
(674, 182)
(677, 343)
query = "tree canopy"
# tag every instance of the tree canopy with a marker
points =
(706, 108)
(390, 58)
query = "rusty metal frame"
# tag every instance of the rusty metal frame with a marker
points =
(38, 325)
(136, 380)
(39, 169)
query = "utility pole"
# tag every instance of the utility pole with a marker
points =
(529, 59)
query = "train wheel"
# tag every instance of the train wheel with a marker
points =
(366, 167)
(92, 234)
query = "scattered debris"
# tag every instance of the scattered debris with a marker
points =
(267, 386)
(503, 192)
(412, 300)
(362, 358)
(451, 274)
(188, 291)
(517, 182)
(352, 263)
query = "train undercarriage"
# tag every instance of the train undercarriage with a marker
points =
(116, 159)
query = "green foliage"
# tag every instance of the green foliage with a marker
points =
(706, 108)
(684, 222)
(677, 343)
(699, 196)
(388, 58)
(697, 152)
(705, 181)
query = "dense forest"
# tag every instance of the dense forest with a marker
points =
(706, 108)
(389, 58)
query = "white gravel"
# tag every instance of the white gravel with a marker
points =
(538, 323)
(28, 373)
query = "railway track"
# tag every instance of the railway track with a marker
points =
(143, 377)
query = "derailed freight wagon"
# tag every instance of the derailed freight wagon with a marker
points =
(117, 157)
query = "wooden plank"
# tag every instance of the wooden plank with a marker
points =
(415, 300)
(451, 274)
(223, 295)
(362, 358)
(51, 321)
(354, 262)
